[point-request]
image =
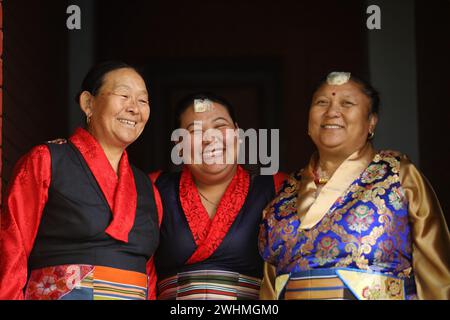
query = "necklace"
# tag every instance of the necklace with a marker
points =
(214, 204)
(319, 177)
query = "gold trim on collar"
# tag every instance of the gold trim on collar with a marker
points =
(311, 209)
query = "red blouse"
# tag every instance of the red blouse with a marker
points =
(27, 195)
(209, 233)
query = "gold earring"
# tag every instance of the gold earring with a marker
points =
(88, 120)
(371, 134)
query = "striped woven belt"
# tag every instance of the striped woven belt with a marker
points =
(209, 285)
(86, 282)
(345, 284)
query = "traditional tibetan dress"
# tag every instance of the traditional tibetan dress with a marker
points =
(74, 229)
(203, 258)
(374, 231)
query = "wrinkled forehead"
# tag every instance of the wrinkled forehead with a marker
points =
(124, 77)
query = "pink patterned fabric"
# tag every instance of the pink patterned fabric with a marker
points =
(52, 283)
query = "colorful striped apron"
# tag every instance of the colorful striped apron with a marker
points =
(209, 285)
(344, 284)
(86, 282)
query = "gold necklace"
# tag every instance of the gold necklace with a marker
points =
(319, 177)
(214, 204)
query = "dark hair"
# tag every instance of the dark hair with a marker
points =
(188, 101)
(93, 80)
(366, 88)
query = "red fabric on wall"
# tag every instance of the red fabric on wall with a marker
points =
(1, 99)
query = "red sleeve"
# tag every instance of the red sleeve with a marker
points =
(278, 180)
(20, 218)
(152, 279)
(154, 175)
(159, 207)
(151, 271)
(158, 202)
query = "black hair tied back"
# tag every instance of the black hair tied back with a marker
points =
(94, 78)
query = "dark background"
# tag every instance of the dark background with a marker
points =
(264, 56)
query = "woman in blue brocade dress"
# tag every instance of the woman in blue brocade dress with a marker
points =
(354, 223)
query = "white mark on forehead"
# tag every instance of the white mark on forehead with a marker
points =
(338, 78)
(202, 105)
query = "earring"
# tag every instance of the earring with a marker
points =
(88, 120)
(370, 136)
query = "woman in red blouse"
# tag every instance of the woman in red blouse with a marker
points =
(79, 221)
(212, 210)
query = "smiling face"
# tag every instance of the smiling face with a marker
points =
(119, 111)
(340, 119)
(214, 151)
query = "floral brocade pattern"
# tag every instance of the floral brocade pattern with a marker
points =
(360, 219)
(327, 250)
(366, 228)
(53, 283)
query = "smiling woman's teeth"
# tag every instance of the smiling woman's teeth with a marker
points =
(332, 126)
(212, 154)
(128, 122)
